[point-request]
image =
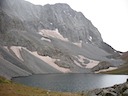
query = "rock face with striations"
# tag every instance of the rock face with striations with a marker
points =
(49, 39)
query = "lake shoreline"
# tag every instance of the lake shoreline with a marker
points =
(16, 89)
(71, 81)
(115, 90)
(63, 73)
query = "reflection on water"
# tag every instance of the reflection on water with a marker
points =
(71, 82)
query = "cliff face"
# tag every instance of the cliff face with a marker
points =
(71, 24)
(51, 38)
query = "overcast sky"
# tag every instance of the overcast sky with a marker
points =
(109, 16)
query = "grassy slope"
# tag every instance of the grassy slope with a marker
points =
(8, 88)
(121, 70)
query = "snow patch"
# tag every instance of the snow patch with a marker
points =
(16, 50)
(104, 70)
(51, 23)
(77, 63)
(91, 64)
(90, 38)
(52, 33)
(49, 61)
(6, 48)
(64, 11)
(121, 53)
(112, 59)
(115, 51)
(78, 44)
(81, 58)
(68, 14)
(45, 39)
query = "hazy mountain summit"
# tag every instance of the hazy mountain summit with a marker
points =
(50, 39)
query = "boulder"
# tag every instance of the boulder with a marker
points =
(125, 93)
(106, 92)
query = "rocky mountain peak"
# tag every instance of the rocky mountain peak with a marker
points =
(71, 24)
(49, 39)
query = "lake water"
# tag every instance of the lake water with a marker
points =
(71, 82)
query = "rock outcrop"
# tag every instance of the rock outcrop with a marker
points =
(116, 90)
(33, 35)
(101, 65)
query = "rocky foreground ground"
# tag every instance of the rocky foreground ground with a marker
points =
(116, 90)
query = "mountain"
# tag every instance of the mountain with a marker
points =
(50, 39)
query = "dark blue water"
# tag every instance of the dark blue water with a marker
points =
(71, 82)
